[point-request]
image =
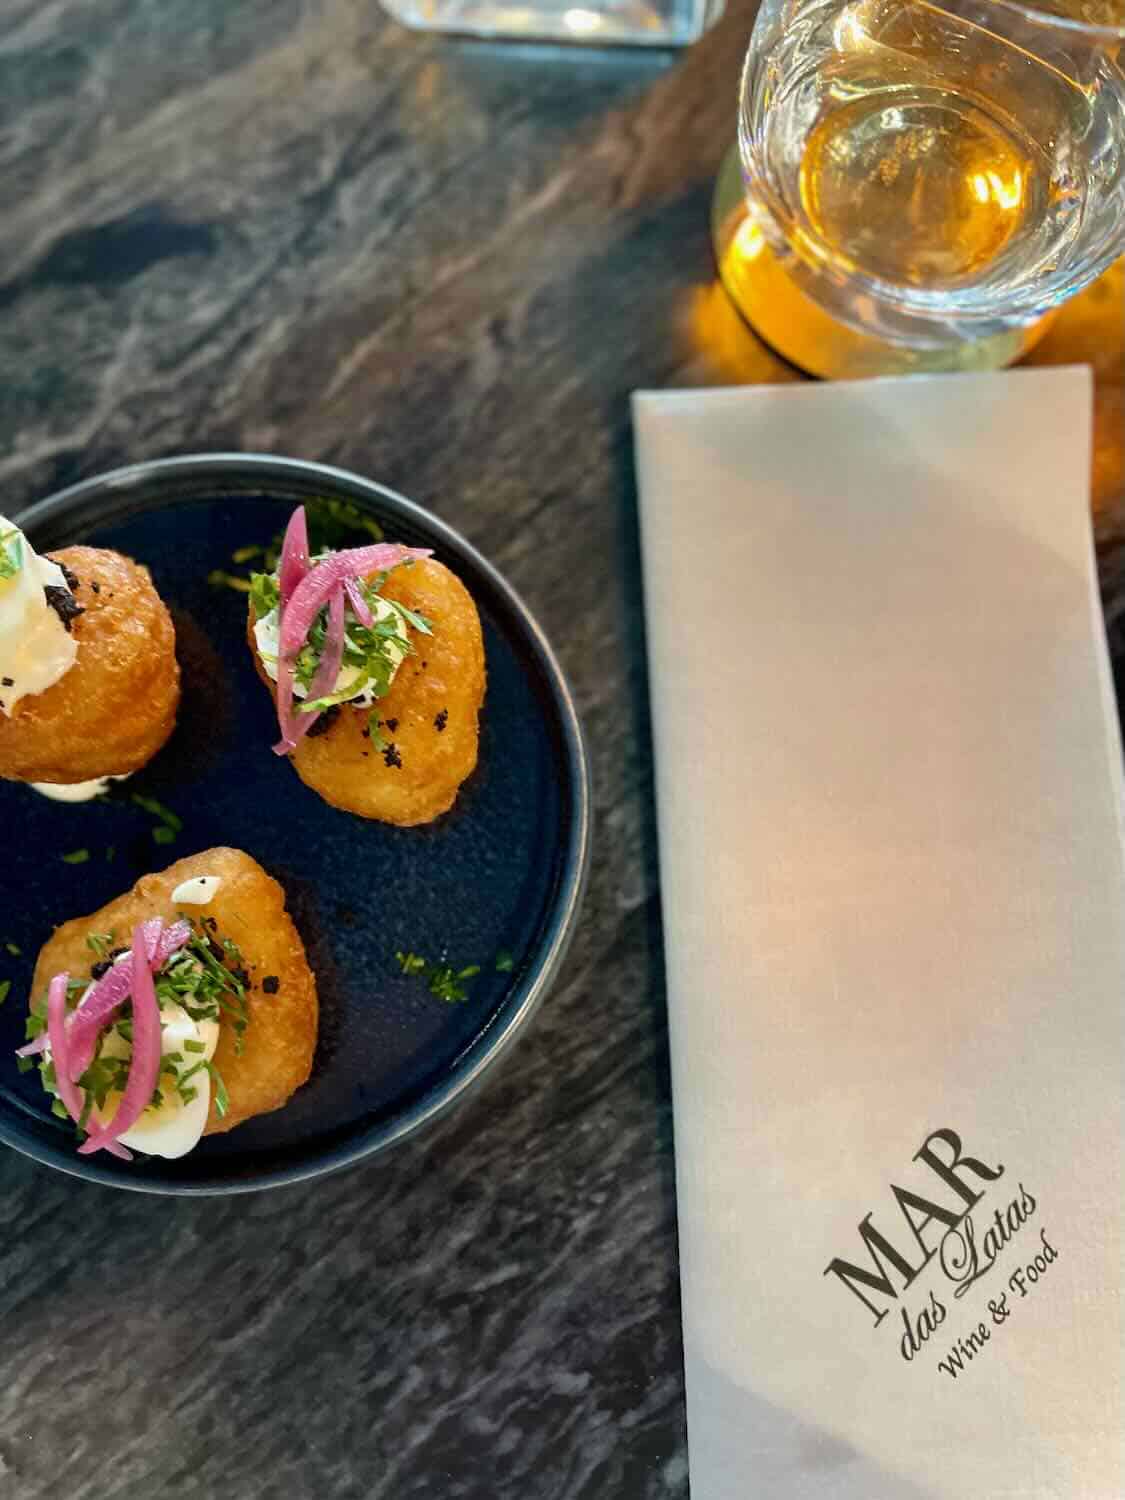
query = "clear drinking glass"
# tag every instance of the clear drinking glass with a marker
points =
(651, 23)
(933, 177)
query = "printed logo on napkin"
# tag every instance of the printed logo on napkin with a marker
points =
(934, 1248)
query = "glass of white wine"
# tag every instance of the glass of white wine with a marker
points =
(917, 185)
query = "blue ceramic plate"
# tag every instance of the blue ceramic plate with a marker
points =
(500, 876)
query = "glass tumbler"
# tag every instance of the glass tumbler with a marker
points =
(918, 185)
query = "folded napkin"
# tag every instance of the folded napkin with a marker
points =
(890, 809)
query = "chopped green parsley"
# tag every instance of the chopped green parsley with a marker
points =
(76, 857)
(219, 579)
(158, 810)
(265, 595)
(222, 1098)
(442, 980)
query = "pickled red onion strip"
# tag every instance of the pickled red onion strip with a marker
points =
(360, 607)
(294, 562)
(328, 668)
(150, 931)
(144, 1065)
(57, 1038)
(172, 939)
(106, 994)
(169, 942)
(94, 1013)
(285, 706)
(312, 593)
(112, 990)
(324, 680)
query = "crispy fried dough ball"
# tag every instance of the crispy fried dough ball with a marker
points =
(249, 907)
(428, 719)
(114, 709)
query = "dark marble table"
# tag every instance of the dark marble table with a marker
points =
(291, 226)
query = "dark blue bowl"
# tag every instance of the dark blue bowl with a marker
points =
(501, 875)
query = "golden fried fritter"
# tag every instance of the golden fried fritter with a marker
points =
(116, 706)
(249, 906)
(428, 719)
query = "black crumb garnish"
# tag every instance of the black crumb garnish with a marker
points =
(64, 604)
(391, 757)
(95, 585)
(326, 721)
(72, 582)
(271, 984)
(211, 923)
(7, 682)
(441, 720)
(392, 725)
(242, 977)
(425, 664)
(103, 966)
(216, 950)
(366, 732)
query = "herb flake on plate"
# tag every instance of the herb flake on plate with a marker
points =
(158, 810)
(218, 578)
(442, 980)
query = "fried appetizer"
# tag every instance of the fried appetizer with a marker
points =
(375, 660)
(181, 1009)
(89, 682)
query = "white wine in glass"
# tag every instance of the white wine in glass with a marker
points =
(932, 179)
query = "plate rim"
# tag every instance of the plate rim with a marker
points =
(498, 1035)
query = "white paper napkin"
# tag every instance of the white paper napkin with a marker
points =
(890, 807)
